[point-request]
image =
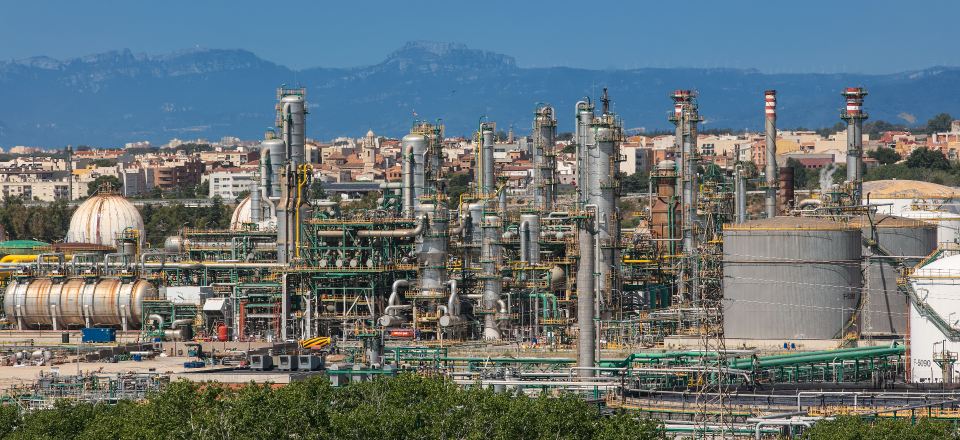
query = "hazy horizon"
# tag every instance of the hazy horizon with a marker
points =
(817, 36)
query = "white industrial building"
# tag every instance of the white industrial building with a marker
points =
(934, 335)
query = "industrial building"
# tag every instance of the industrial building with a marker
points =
(855, 272)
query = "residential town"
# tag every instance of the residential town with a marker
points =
(229, 166)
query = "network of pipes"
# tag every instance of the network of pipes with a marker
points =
(546, 269)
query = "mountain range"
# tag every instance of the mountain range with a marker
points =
(115, 97)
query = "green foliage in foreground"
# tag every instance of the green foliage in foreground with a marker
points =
(850, 427)
(406, 407)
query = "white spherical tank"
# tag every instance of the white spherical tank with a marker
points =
(102, 218)
(76, 302)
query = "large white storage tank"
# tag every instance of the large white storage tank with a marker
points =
(934, 333)
(102, 219)
(898, 196)
(930, 202)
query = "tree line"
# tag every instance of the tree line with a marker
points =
(405, 407)
(49, 222)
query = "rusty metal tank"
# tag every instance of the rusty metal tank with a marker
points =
(665, 209)
(44, 302)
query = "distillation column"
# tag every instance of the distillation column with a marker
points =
(771, 174)
(602, 185)
(492, 281)
(293, 111)
(544, 159)
(414, 148)
(584, 138)
(291, 119)
(488, 183)
(686, 116)
(854, 115)
(586, 267)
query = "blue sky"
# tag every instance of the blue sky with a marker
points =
(775, 36)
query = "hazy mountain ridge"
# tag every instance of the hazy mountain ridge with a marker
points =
(120, 96)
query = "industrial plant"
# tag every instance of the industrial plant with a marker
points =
(689, 306)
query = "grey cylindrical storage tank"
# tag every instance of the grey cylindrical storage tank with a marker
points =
(278, 157)
(884, 309)
(790, 278)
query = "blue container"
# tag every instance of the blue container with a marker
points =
(136, 357)
(98, 335)
(193, 364)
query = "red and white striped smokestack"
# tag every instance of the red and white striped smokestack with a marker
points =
(770, 100)
(771, 175)
(854, 97)
(854, 115)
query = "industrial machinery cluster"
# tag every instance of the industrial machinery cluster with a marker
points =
(868, 265)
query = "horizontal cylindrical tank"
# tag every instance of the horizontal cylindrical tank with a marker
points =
(884, 308)
(790, 278)
(42, 302)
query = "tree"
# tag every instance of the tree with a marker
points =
(406, 406)
(939, 123)
(108, 182)
(853, 427)
(203, 189)
(885, 156)
(217, 216)
(636, 182)
(928, 159)
(457, 184)
(316, 190)
(103, 163)
(243, 194)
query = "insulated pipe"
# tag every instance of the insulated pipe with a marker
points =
(156, 318)
(771, 175)
(586, 340)
(396, 233)
(182, 322)
(524, 232)
(265, 170)
(408, 182)
(503, 201)
(740, 181)
(256, 210)
(393, 302)
(451, 314)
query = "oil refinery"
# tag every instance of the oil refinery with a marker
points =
(705, 314)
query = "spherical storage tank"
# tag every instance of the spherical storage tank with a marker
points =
(790, 278)
(76, 302)
(102, 218)
(243, 214)
(884, 308)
